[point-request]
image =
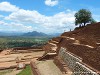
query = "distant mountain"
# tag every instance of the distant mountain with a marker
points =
(10, 34)
(35, 34)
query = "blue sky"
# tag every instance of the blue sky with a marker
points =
(48, 16)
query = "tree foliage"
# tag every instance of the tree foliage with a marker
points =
(82, 17)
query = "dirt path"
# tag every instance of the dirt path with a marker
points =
(49, 68)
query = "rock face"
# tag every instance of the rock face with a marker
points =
(82, 44)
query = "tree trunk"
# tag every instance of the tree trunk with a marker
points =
(84, 23)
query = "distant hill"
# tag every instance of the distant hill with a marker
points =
(35, 34)
(10, 33)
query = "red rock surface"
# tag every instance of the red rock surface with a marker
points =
(88, 44)
(89, 35)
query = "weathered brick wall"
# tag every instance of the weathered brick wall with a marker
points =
(68, 58)
(83, 70)
(74, 63)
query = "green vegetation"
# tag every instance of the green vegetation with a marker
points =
(82, 17)
(26, 71)
(3, 72)
(11, 42)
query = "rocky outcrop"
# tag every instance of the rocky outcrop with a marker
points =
(83, 43)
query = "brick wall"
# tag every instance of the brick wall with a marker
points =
(75, 63)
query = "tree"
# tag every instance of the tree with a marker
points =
(82, 17)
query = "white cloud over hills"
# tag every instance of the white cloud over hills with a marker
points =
(19, 17)
(16, 26)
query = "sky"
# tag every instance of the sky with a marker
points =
(48, 16)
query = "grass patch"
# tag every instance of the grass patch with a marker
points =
(26, 71)
(3, 72)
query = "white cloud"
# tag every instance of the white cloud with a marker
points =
(15, 26)
(59, 21)
(51, 2)
(68, 10)
(7, 7)
(20, 27)
(26, 16)
(1, 22)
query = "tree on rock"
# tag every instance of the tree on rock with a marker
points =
(82, 17)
